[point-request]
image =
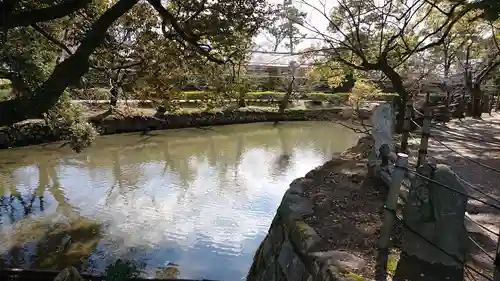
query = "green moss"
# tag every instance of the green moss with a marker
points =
(301, 226)
(392, 264)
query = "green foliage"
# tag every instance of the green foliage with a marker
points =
(280, 28)
(122, 270)
(333, 72)
(68, 119)
(145, 46)
(382, 38)
(27, 59)
(489, 9)
(362, 91)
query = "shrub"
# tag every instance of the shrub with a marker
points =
(68, 120)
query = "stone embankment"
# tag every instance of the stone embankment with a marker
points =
(325, 227)
(37, 131)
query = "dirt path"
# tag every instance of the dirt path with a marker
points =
(478, 140)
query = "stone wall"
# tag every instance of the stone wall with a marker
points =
(36, 131)
(292, 249)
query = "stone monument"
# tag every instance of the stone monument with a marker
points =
(437, 214)
(382, 130)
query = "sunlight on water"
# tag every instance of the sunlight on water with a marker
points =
(200, 198)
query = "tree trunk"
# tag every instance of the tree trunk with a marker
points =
(397, 83)
(286, 99)
(241, 101)
(477, 96)
(65, 74)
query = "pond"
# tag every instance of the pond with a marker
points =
(188, 203)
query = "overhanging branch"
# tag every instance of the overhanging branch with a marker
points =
(9, 19)
(66, 73)
(51, 38)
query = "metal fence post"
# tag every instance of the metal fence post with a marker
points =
(406, 126)
(389, 216)
(424, 141)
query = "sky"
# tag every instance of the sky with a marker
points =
(313, 18)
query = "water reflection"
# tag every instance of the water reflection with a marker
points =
(200, 199)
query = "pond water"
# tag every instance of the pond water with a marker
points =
(199, 199)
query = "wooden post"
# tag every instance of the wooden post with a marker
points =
(392, 199)
(389, 216)
(424, 141)
(406, 126)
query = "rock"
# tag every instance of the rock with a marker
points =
(304, 237)
(297, 186)
(437, 214)
(290, 263)
(69, 274)
(294, 206)
(345, 261)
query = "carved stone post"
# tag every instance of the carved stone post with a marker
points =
(382, 130)
(438, 251)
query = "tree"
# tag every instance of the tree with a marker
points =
(374, 36)
(479, 62)
(207, 28)
(13, 14)
(282, 27)
(27, 59)
(240, 82)
(490, 10)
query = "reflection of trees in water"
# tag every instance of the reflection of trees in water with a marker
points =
(283, 162)
(240, 149)
(178, 165)
(47, 182)
(111, 195)
(125, 178)
(38, 242)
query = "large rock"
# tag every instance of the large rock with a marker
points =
(437, 214)
(69, 274)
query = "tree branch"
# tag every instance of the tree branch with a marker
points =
(187, 36)
(25, 18)
(65, 74)
(51, 38)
